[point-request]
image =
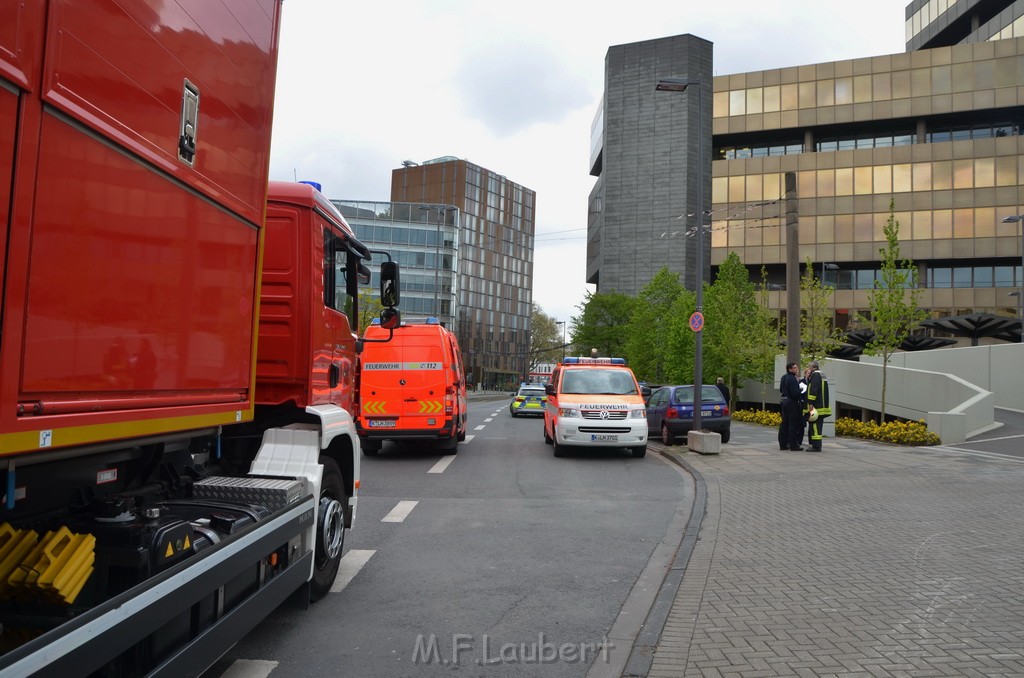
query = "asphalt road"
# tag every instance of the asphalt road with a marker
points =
(510, 562)
(1008, 439)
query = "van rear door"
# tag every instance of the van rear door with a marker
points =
(425, 381)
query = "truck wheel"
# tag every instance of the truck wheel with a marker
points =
(639, 451)
(370, 447)
(547, 438)
(330, 530)
(462, 434)
(559, 449)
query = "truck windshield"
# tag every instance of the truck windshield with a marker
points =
(598, 382)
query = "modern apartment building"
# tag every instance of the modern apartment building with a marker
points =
(937, 131)
(487, 277)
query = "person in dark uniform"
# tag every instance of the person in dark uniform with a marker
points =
(817, 397)
(720, 383)
(791, 431)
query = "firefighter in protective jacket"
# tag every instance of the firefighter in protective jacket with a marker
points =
(818, 404)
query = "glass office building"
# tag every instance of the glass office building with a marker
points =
(424, 240)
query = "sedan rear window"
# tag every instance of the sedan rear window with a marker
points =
(708, 394)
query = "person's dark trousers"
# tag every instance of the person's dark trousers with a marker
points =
(791, 432)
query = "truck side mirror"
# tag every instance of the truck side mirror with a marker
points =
(390, 318)
(549, 389)
(389, 288)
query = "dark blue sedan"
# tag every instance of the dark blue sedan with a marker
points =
(670, 412)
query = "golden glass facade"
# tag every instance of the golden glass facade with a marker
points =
(936, 132)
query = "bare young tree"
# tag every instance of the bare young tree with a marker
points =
(893, 302)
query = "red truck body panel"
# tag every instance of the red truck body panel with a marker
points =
(300, 337)
(131, 277)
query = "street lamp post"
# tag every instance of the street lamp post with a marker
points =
(1019, 218)
(680, 85)
(441, 211)
(562, 323)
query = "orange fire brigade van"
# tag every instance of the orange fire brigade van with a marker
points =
(595, 402)
(412, 387)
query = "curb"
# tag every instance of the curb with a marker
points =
(641, 657)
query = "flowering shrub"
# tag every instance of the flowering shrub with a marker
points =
(896, 432)
(762, 417)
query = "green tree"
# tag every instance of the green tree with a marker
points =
(369, 307)
(818, 334)
(648, 329)
(545, 339)
(602, 324)
(738, 332)
(893, 302)
(682, 342)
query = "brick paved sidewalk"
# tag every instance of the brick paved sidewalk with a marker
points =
(862, 560)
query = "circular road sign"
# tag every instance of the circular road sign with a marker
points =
(697, 321)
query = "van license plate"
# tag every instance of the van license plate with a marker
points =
(604, 438)
(381, 423)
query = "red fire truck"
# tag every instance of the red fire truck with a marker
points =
(177, 357)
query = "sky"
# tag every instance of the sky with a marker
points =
(513, 87)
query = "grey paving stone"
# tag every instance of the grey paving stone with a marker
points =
(865, 560)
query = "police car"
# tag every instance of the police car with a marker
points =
(529, 400)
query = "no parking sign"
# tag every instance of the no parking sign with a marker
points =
(697, 321)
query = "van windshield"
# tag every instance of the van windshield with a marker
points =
(598, 382)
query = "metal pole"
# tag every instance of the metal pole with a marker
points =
(792, 271)
(698, 371)
(437, 259)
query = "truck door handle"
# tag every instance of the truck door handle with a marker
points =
(333, 375)
(410, 400)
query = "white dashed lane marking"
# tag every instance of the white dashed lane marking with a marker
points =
(444, 461)
(351, 563)
(479, 428)
(400, 512)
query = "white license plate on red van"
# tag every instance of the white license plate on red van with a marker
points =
(604, 438)
(381, 423)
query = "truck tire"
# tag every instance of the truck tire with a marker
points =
(559, 450)
(330, 530)
(547, 438)
(639, 451)
(370, 447)
(450, 445)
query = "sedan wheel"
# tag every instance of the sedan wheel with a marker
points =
(666, 436)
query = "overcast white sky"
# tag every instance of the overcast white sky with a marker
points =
(513, 87)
